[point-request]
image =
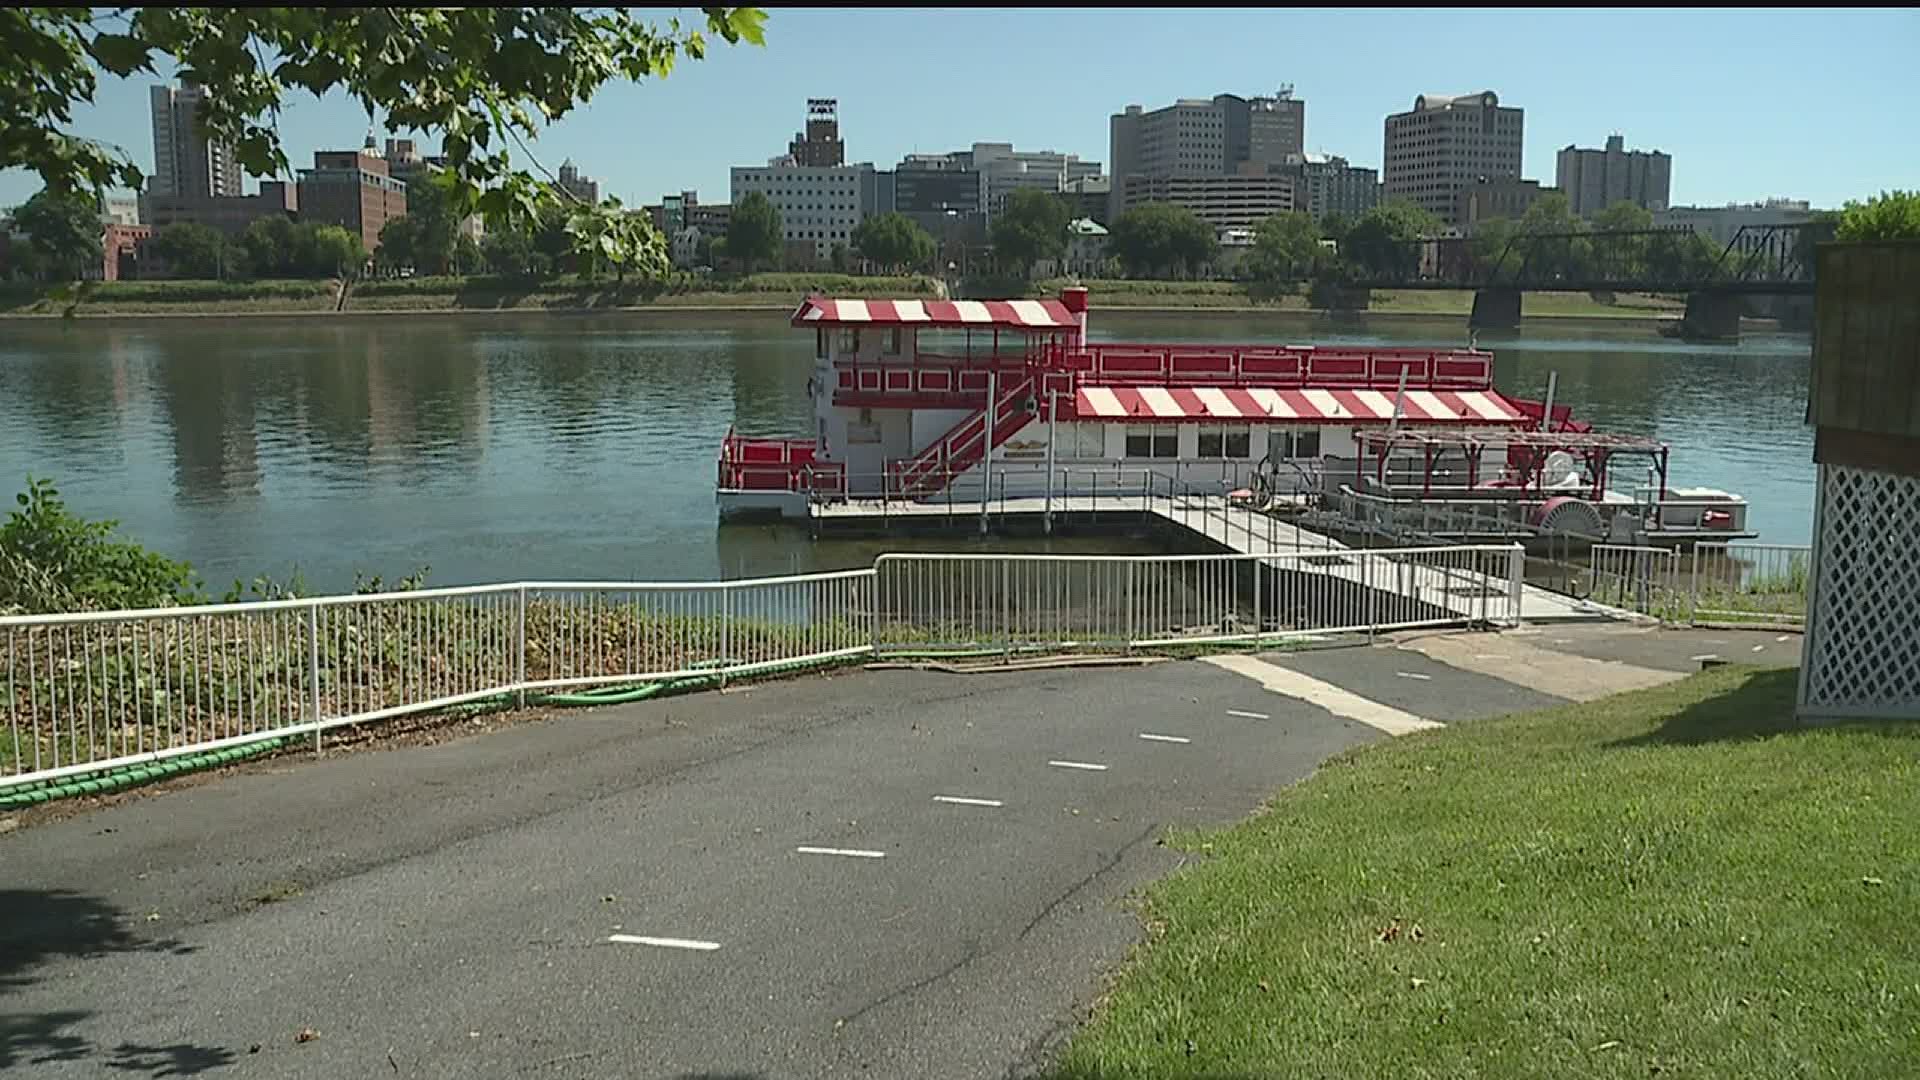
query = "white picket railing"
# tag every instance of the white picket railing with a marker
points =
(85, 692)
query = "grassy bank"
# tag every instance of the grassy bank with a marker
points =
(770, 291)
(1672, 883)
(565, 293)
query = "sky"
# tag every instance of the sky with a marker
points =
(1822, 105)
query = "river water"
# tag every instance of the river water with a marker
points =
(583, 447)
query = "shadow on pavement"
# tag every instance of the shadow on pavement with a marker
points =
(39, 925)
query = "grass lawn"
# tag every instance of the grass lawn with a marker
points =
(1675, 882)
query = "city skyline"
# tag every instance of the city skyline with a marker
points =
(641, 141)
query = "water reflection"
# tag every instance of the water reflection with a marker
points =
(584, 447)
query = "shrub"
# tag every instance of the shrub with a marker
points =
(51, 559)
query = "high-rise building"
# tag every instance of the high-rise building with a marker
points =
(585, 189)
(1508, 197)
(185, 162)
(1004, 170)
(352, 189)
(1204, 137)
(406, 164)
(819, 205)
(1326, 184)
(1596, 179)
(819, 145)
(1444, 144)
(1238, 200)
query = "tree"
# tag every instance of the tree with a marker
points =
(893, 242)
(1033, 226)
(1621, 258)
(190, 249)
(1383, 243)
(753, 231)
(1891, 215)
(1491, 247)
(62, 227)
(608, 235)
(1335, 226)
(1284, 249)
(269, 246)
(400, 243)
(340, 252)
(508, 253)
(1159, 238)
(481, 78)
(1566, 257)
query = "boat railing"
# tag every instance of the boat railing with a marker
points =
(1110, 363)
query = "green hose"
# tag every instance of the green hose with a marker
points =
(118, 779)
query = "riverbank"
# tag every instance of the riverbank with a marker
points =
(768, 296)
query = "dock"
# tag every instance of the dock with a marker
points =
(1225, 524)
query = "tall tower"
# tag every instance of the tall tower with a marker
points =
(820, 143)
(185, 162)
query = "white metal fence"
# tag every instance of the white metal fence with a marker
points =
(1715, 583)
(100, 690)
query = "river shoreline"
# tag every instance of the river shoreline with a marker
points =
(748, 314)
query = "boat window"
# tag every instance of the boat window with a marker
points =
(1139, 440)
(890, 344)
(1166, 441)
(1293, 442)
(1220, 440)
(1088, 440)
(850, 340)
(820, 343)
(1153, 440)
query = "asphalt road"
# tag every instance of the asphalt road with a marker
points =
(623, 892)
(448, 911)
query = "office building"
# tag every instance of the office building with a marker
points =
(927, 187)
(1090, 198)
(1722, 224)
(1004, 170)
(185, 162)
(406, 164)
(1507, 198)
(120, 210)
(352, 189)
(583, 188)
(819, 146)
(819, 205)
(1327, 184)
(1236, 201)
(1204, 137)
(1596, 179)
(230, 214)
(1443, 144)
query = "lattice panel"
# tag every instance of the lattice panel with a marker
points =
(1863, 644)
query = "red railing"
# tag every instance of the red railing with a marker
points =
(1278, 366)
(964, 446)
(776, 465)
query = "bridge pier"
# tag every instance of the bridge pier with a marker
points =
(1712, 316)
(1495, 309)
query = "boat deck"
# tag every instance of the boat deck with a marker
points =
(1229, 525)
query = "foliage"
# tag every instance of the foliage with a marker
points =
(510, 253)
(1891, 215)
(894, 242)
(1335, 226)
(1285, 247)
(56, 560)
(1623, 216)
(1033, 226)
(479, 77)
(1159, 238)
(1491, 247)
(190, 249)
(606, 235)
(1381, 242)
(753, 231)
(338, 249)
(63, 228)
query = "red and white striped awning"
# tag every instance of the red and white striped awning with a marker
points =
(1147, 403)
(1011, 314)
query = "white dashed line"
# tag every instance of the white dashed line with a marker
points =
(1704, 656)
(1248, 715)
(1784, 637)
(1759, 647)
(1164, 738)
(1089, 766)
(959, 800)
(851, 853)
(664, 942)
(1489, 656)
(1414, 675)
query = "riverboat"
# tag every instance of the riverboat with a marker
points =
(925, 401)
